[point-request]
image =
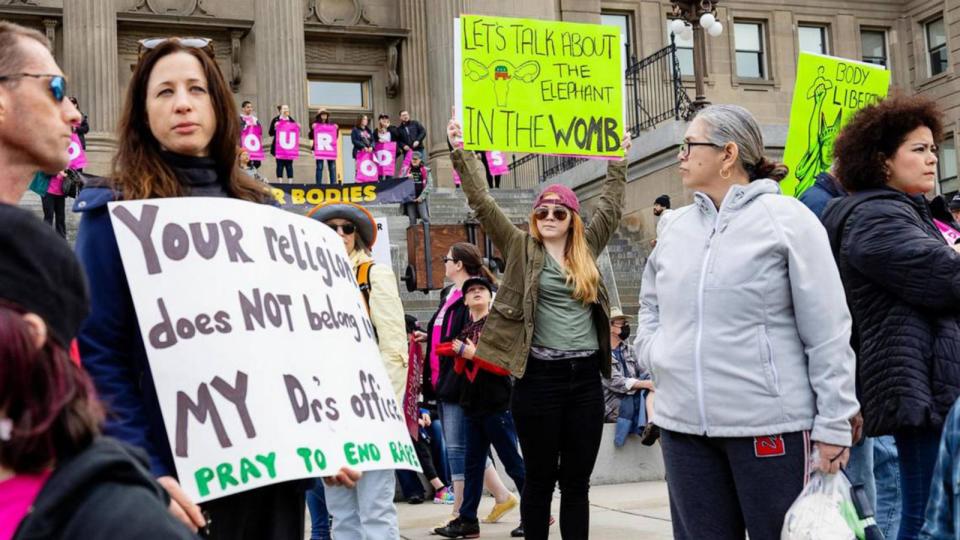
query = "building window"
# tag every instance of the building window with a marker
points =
(624, 23)
(750, 57)
(346, 164)
(947, 168)
(936, 46)
(874, 45)
(684, 54)
(339, 94)
(813, 39)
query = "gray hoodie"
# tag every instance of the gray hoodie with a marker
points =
(743, 321)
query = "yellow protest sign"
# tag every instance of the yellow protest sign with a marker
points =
(828, 92)
(548, 87)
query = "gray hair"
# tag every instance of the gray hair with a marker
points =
(734, 124)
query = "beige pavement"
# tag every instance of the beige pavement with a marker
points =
(618, 511)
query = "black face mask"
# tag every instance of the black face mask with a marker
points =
(625, 331)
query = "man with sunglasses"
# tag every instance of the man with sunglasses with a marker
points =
(32, 87)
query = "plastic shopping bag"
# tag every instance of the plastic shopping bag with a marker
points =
(824, 511)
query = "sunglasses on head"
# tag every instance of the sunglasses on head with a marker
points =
(543, 212)
(58, 85)
(204, 44)
(346, 228)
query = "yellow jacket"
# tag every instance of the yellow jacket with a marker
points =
(386, 313)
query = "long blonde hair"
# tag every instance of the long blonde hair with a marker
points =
(581, 268)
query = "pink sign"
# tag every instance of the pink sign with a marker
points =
(456, 178)
(497, 163)
(325, 141)
(78, 158)
(385, 154)
(367, 168)
(288, 140)
(251, 139)
(950, 234)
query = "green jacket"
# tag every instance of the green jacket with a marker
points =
(509, 329)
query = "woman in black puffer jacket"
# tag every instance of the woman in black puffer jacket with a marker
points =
(902, 281)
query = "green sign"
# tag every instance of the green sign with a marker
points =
(548, 87)
(828, 92)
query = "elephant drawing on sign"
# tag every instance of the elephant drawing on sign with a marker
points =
(502, 73)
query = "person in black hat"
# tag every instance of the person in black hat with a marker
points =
(954, 207)
(660, 204)
(59, 479)
(485, 398)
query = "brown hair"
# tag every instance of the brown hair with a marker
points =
(12, 56)
(48, 398)
(359, 123)
(873, 135)
(139, 172)
(472, 260)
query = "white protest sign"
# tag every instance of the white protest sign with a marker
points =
(264, 359)
(381, 249)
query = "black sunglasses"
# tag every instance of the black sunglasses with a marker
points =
(347, 228)
(543, 212)
(58, 85)
(204, 44)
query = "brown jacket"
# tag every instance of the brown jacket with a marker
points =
(509, 330)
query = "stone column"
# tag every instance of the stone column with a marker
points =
(413, 61)
(281, 60)
(440, 45)
(90, 60)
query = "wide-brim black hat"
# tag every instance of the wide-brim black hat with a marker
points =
(354, 213)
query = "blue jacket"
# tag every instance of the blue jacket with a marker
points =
(110, 342)
(821, 192)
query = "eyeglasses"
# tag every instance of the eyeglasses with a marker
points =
(346, 228)
(543, 212)
(204, 44)
(58, 85)
(449, 259)
(686, 145)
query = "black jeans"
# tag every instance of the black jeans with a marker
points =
(284, 165)
(274, 512)
(54, 207)
(719, 486)
(558, 409)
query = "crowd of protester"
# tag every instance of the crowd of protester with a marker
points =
(775, 336)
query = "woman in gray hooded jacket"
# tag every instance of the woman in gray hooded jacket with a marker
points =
(744, 327)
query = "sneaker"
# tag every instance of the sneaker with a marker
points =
(650, 435)
(416, 499)
(501, 509)
(443, 495)
(460, 528)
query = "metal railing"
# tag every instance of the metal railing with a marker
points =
(654, 93)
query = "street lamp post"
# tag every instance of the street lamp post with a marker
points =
(693, 19)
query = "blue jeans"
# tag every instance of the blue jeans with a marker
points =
(860, 468)
(331, 166)
(284, 165)
(887, 472)
(452, 418)
(918, 449)
(319, 517)
(632, 417)
(482, 431)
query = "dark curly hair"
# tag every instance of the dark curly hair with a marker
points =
(873, 135)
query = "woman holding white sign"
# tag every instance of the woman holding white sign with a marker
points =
(368, 511)
(550, 327)
(177, 138)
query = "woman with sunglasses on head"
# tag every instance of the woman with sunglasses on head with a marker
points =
(368, 511)
(177, 138)
(744, 328)
(462, 262)
(550, 327)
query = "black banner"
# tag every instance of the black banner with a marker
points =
(302, 197)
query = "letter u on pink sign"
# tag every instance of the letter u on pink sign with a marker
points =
(288, 140)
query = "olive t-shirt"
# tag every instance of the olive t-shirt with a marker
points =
(562, 322)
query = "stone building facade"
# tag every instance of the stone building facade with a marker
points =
(382, 56)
